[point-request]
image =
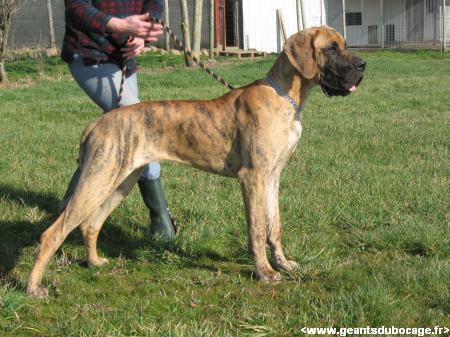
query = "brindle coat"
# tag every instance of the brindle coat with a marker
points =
(249, 134)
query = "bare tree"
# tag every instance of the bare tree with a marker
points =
(211, 29)
(185, 30)
(197, 34)
(8, 9)
(166, 20)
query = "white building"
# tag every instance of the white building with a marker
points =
(261, 28)
(391, 23)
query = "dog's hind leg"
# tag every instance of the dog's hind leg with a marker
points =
(70, 189)
(93, 188)
(90, 228)
(51, 230)
(50, 241)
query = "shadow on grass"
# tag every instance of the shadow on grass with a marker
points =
(45, 201)
(15, 236)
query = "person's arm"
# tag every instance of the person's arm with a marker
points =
(84, 16)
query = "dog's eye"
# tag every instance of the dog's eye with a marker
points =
(334, 47)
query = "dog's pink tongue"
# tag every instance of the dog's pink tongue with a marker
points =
(353, 88)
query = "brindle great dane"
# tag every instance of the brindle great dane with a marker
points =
(248, 134)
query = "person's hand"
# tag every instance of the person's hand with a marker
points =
(133, 48)
(136, 26)
(155, 30)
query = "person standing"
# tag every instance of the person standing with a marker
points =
(100, 37)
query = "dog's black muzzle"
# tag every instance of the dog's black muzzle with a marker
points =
(342, 78)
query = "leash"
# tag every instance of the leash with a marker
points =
(187, 51)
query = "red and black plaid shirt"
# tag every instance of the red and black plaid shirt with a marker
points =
(86, 34)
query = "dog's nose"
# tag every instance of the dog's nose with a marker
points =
(360, 64)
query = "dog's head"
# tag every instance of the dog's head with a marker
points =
(320, 54)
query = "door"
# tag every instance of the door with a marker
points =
(356, 35)
(227, 23)
(220, 24)
(414, 20)
(232, 21)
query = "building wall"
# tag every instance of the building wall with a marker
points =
(419, 25)
(30, 26)
(260, 24)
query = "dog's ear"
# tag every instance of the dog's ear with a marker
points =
(300, 50)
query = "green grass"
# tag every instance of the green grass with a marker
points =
(364, 203)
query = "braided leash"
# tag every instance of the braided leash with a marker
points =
(188, 52)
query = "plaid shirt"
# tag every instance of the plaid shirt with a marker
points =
(86, 34)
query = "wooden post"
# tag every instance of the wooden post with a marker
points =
(302, 5)
(299, 15)
(444, 32)
(197, 34)
(211, 29)
(281, 23)
(186, 31)
(382, 22)
(166, 20)
(50, 26)
(344, 23)
(236, 24)
(321, 12)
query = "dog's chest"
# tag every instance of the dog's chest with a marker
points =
(294, 133)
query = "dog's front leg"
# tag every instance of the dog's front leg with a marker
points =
(254, 187)
(274, 224)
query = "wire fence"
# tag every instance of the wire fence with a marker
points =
(408, 24)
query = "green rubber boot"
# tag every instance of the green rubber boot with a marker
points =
(161, 222)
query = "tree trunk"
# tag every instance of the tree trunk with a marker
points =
(7, 10)
(3, 75)
(166, 20)
(186, 31)
(211, 30)
(197, 36)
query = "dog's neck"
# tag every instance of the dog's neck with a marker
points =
(288, 77)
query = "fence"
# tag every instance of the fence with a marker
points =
(406, 24)
(31, 27)
(368, 23)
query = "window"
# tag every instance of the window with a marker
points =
(353, 19)
(389, 34)
(373, 34)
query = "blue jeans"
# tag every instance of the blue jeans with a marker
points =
(101, 83)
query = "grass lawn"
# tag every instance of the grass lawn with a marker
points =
(364, 203)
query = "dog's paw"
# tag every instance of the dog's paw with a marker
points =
(287, 265)
(98, 262)
(268, 276)
(38, 292)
